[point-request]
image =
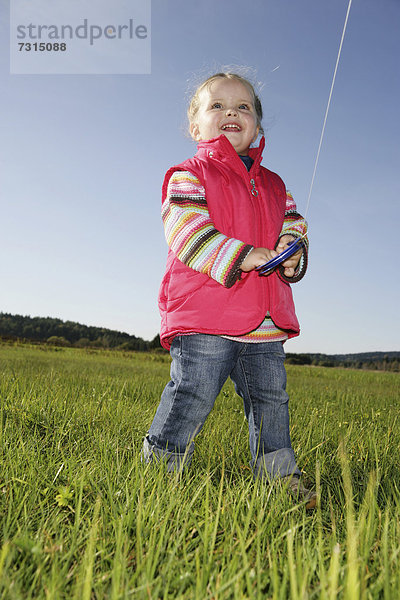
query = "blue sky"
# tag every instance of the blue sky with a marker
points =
(83, 158)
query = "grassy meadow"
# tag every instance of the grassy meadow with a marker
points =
(82, 518)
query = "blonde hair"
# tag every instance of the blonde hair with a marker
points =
(194, 104)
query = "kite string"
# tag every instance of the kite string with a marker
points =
(327, 107)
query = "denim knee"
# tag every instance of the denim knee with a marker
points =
(200, 366)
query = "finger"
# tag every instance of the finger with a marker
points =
(289, 263)
(284, 243)
(286, 238)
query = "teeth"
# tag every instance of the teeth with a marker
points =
(236, 127)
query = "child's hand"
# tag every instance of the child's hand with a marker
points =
(257, 257)
(291, 263)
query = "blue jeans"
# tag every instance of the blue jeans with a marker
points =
(200, 366)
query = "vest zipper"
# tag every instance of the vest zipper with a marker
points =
(254, 190)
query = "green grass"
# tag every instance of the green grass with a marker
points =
(81, 517)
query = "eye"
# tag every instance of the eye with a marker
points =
(216, 105)
(244, 106)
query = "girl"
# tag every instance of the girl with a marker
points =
(225, 215)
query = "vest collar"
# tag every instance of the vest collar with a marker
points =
(221, 149)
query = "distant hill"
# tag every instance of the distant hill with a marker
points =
(384, 361)
(69, 333)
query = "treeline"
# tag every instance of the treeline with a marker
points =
(381, 361)
(69, 333)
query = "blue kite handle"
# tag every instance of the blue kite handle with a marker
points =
(269, 266)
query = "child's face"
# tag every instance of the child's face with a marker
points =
(227, 108)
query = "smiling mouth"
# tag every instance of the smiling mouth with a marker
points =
(231, 127)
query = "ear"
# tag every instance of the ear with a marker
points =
(257, 132)
(195, 131)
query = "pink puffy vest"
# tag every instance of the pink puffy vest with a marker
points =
(192, 302)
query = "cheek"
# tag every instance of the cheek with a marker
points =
(255, 128)
(211, 121)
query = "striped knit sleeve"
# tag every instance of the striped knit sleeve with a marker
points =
(294, 225)
(191, 234)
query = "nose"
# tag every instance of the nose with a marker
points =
(231, 112)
